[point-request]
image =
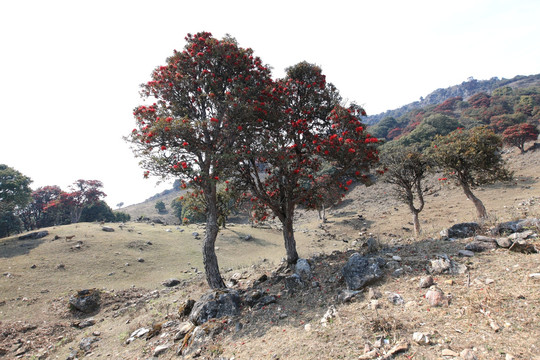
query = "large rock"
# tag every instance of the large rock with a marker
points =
(215, 304)
(34, 235)
(361, 271)
(461, 230)
(303, 269)
(86, 301)
(515, 226)
(480, 246)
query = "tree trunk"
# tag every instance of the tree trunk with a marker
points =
(416, 223)
(480, 208)
(288, 237)
(323, 220)
(211, 267)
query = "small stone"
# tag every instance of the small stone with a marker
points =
(535, 276)
(504, 242)
(107, 229)
(426, 282)
(494, 325)
(396, 299)
(509, 357)
(141, 260)
(374, 293)
(449, 282)
(436, 297)
(448, 352)
(489, 281)
(468, 354)
(307, 327)
(465, 253)
(171, 282)
(420, 338)
(396, 258)
(374, 305)
(96, 333)
(161, 349)
(398, 272)
(33, 266)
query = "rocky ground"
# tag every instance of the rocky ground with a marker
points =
(366, 290)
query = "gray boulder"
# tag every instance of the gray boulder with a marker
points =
(171, 282)
(215, 304)
(107, 229)
(303, 269)
(86, 301)
(461, 230)
(360, 271)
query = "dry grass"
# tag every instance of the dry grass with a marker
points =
(39, 296)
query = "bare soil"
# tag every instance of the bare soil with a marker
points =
(35, 321)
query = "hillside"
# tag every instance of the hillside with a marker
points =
(465, 90)
(491, 310)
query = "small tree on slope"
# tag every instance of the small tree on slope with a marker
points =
(471, 158)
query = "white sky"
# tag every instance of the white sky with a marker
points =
(70, 70)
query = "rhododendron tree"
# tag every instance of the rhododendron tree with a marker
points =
(203, 95)
(301, 125)
(406, 168)
(471, 158)
(35, 215)
(517, 135)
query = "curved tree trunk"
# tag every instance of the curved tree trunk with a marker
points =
(480, 208)
(211, 267)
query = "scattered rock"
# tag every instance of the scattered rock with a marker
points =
(162, 348)
(107, 229)
(396, 299)
(444, 265)
(466, 253)
(329, 316)
(524, 247)
(293, 282)
(535, 276)
(426, 282)
(481, 246)
(347, 295)
(468, 354)
(86, 343)
(504, 242)
(195, 234)
(85, 323)
(361, 271)
(86, 301)
(448, 352)
(421, 338)
(215, 304)
(374, 293)
(461, 230)
(494, 325)
(436, 297)
(141, 260)
(171, 282)
(303, 269)
(185, 308)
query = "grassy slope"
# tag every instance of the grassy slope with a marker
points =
(40, 295)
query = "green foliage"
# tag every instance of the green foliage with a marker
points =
(425, 132)
(160, 207)
(120, 216)
(472, 157)
(176, 205)
(98, 211)
(14, 196)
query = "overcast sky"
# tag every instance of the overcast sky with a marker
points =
(70, 70)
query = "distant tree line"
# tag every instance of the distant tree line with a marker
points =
(24, 209)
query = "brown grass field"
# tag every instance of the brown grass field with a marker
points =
(35, 321)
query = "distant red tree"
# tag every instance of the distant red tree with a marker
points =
(480, 100)
(394, 133)
(518, 135)
(449, 105)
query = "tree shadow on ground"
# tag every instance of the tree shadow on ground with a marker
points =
(15, 247)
